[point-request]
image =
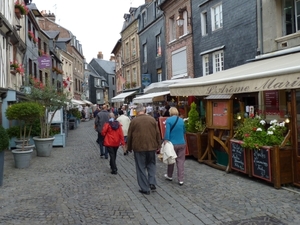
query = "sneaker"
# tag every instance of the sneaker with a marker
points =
(180, 183)
(168, 178)
(101, 155)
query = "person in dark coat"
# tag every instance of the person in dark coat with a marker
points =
(113, 137)
(144, 139)
(101, 118)
(167, 113)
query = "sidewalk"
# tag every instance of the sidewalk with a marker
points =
(74, 186)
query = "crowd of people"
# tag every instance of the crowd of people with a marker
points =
(136, 130)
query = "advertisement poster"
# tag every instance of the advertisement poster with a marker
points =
(220, 116)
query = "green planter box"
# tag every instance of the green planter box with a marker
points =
(222, 157)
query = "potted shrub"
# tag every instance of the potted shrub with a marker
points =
(26, 113)
(195, 137)
(51, 100)
(4, 143)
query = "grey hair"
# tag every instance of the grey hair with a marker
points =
(140, 108)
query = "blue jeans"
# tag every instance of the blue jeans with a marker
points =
(103, 150)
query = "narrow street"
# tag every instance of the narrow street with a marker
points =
(74, 186)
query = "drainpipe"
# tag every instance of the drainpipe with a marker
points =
(260, 49)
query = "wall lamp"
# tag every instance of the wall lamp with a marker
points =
(287, 118)
(180, 19)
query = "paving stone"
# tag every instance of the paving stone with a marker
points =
(74, 186)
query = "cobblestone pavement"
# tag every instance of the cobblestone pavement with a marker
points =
(74, 186)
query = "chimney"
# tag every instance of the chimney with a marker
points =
(148, 1)
(112, 58)
(49, 15)
(100, 55)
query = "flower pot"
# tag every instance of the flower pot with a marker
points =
(26, 146)
(18, 13)
(22, 158)
(20, 142)
(43, 146)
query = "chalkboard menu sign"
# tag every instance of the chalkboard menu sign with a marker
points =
(238, 156)
(261, 166)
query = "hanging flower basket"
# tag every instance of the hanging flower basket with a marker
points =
(20, 9)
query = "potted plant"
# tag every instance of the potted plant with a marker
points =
(25, 113)
(4, 143)
(20, 9)
(195, 137)
(52, 100)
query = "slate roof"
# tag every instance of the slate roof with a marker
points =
(108, 66)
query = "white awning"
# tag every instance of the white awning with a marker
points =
(77, 102)
(162, 86)
(281, 72)
(147, 98)
(121, 97)
(88, 102)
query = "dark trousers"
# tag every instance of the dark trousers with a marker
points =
(113, 156)
(103, 150)
(145, 163)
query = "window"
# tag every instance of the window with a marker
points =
(128, 79)
(159, 75)
(218, 61)
(205, 65)
(216, 17)
(133, 46)
(113, 81)
(127, 50)
(158, 46)
(156, 9)
(204, 23)
(291, 11)
(172, 29)
(41, 76)
(144, 18)
(185, 22)
(145, 53)
(179, 63)
(103, 83)
(134, 76)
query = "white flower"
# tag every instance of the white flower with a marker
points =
(270, 132)
(282, 124)
(262, 122)
(273, 121)
(259, 129)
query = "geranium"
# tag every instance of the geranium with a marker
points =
(23, 8)
(254, 132)
(18, 67)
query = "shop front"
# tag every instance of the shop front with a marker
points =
(269, 88)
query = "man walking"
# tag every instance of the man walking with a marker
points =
(125, 122)
(144, 139)
(101, 118)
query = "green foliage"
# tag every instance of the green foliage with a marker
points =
(254, 133)
(51, 99)
(25, 113)
(14, 131)
(4, 139)
(75, 112)
(192, 124)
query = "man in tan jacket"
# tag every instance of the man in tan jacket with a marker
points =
(144, 139)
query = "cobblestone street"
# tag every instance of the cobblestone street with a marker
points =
(74, 186)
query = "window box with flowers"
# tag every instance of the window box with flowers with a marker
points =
(20, 9)
(127, 85)
(16, 67)
(264, 150)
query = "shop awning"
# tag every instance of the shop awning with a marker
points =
(281, 72)
(121, 97)
(162, 86)
(147, 98)
(77, 102)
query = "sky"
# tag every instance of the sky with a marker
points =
(95, 23)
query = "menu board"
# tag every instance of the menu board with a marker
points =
(238, 156)
(261, 166)
(271, 102)
(162, 126)
(220, 116)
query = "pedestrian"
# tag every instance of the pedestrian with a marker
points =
(125, 122)
(97, 110)
(167, 112)
(113, 137)
(175, 131)
(101, 118)
(144, 139)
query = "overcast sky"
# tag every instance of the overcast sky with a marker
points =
(95, 23)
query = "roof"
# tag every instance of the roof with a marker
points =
(108, 66)
(52, 33)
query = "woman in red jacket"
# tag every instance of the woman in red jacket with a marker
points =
(113, 137)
